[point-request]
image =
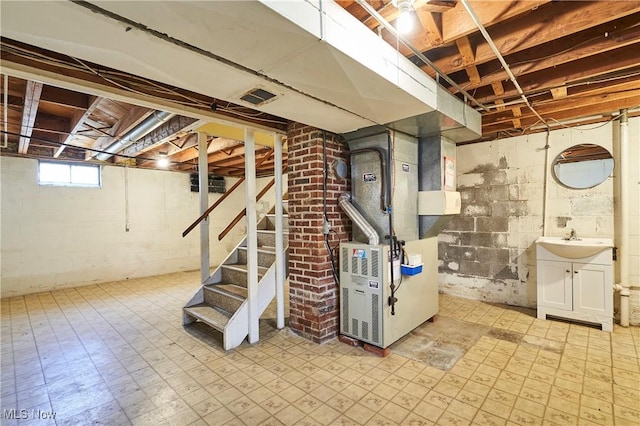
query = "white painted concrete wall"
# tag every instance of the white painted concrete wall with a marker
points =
(57, 237)
(589, 211)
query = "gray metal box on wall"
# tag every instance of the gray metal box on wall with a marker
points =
(369, 179)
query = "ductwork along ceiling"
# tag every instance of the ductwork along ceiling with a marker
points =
(314, 60)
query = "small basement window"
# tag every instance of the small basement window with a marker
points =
(64, 174)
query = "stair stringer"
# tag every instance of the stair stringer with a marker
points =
(195, 300)
(237, 328)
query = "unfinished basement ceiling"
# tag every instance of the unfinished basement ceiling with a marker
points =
(577, 62)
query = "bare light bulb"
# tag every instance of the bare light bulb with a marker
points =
(163, 162)
(404, 23)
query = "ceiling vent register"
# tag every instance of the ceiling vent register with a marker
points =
(257, 96)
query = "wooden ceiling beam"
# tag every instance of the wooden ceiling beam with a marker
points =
(571, 73)
(572, 102)
(30, 110)
(604, 38)
(239, 159)
(77, 121)
(432, 25)
(527, 32)
(64, 97)
(583, 111)
(581, 92)
(457, 23)
(216, 145)
(468, 59)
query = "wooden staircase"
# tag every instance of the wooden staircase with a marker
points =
(221, 302)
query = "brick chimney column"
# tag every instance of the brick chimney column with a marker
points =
(313, 293)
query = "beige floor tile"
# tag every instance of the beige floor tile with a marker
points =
(496, 408)
(146, 368)
(341, 402)
(428, 411)
(359, 413)
(595, 416)
(470, 398)
(324, 414)
(462, 409)
(218, 417)
(450, 419)
(415, 420)
(394, 412)
(407, 400)
(487, 419)
(524, 418)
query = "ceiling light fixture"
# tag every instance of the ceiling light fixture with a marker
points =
(163, 161)
(404, 23)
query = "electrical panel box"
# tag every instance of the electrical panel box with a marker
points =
(216, 183)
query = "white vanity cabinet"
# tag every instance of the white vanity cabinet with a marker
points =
(578, 289)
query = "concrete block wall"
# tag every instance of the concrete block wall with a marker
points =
(313, 293)
(55, 237)
(488, 252)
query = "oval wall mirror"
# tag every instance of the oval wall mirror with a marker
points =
(583, 166)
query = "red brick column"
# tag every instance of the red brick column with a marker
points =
(313, 293)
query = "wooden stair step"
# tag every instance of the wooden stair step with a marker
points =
(243, 268)
(208, 315)
(236, 290)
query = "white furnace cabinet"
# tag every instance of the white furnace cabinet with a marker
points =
(577, 289)
(365, 289)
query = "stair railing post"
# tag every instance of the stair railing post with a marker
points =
(279, 233)
(203, 179)
(252, 235)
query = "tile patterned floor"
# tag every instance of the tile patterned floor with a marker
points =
(117, 354)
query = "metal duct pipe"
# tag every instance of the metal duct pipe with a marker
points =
(153, 121)
(344, 201)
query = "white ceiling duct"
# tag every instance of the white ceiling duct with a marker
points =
(324, 67)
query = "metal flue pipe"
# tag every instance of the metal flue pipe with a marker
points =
(344, 201)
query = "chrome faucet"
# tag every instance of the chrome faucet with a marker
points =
(573, 236)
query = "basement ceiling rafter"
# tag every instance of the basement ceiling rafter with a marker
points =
(574, 60)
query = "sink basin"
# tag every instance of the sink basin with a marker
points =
(575, 249)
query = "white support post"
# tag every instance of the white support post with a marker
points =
(277, 143)
(203, 179)
(252, 234)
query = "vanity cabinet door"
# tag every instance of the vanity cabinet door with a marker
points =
(592, 289)
(555, 285)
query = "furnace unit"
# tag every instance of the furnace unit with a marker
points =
(389, 272)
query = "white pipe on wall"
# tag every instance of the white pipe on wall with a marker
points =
(623, 244)
(547, 171)
(5, 107)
